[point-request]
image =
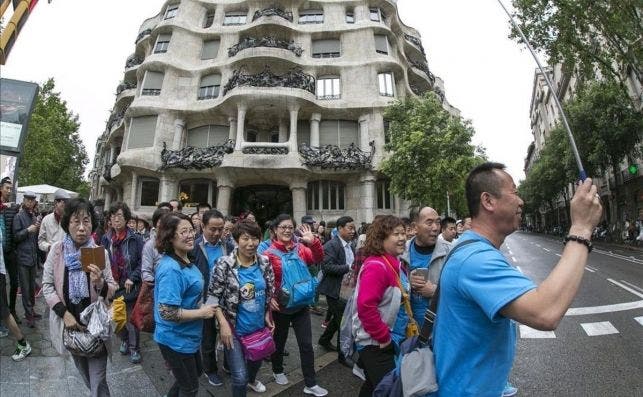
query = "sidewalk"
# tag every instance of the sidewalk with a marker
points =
(46, 374)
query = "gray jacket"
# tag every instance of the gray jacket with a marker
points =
(440, 252)
(26, 251)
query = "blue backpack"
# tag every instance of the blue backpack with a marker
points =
(298, 286)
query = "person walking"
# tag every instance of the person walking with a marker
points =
(8, 212)
(50, 230)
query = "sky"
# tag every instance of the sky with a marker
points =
(83, 45)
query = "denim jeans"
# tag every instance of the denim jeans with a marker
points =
(186, 369)
(242, 372)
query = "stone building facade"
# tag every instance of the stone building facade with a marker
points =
(266, 107)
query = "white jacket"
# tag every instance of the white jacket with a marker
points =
(50, 232)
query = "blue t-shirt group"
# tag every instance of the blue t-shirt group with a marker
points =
(251, 309)
(214, 252)
(180, 286)
(419, 303)
(474, 344)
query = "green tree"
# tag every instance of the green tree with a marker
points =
(53, 153)
(585, 34)
(430, 153)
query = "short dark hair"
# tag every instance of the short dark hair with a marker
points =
(73, 207)
(246, 226)
(167, 230)
(179, 204)
(406, 221)
(119, 205)
(282, 217)
(445, 221)
(380, 229)
(194, 213)
(209, 214)
(203, 205)
(342, 221)
(164, 204)
(481, 179)
(158, 213)
(5, 180)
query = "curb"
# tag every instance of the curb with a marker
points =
(296, 376)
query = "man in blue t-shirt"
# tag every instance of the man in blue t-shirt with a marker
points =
(480, 292)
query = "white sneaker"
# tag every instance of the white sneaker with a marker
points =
(316, 391)
(257, 387)
(21, 352)
(357, 371)
(280, 379)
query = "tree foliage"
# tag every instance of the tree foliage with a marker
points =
(53, 152)
(430, 153)
(585, 33)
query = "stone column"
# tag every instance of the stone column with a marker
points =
(108, 199)
(224, 194)
(367, 197)
(232, 135)
(363, 133)
(283, 130)
(314, 129)
(133, 189)
(179, 132)
(292, 138)
(241, 120)
(168, 188)
(112, 153)
(298, 189)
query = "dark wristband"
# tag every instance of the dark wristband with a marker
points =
(60, 309)
(581, 240)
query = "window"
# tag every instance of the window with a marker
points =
(251, 136)
(209, 19)
(384, 197)
(235, 18)
(210, 49)
(208, 135)
(376, 14)
(303, 132)
(196, 191)
(326, 48)
(350, 17)
(338, 132)
(381, 44)
(171, 11)
(149, 192)
(386, 84)
(152, 83)
(328, 87)
(209, 87)
(274, 137)
(325, 195)
(162, 43)
(141, 132)
(311, 16)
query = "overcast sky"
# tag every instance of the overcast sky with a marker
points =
(84, 45)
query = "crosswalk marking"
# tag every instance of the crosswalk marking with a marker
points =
(546, 250)
(530, 333)
(590, 270)
(600, 328)
(639, 320)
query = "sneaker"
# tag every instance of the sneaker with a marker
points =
(257, 387)
(123, 349)
(280, 379)
(357, 371)
(135, 357)
(214, 379)
(21, 352)
(324, 324)
(509, 390)
(4, 332)
(316, 391)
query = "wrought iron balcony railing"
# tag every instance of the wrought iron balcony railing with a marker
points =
(194, 157)
(144, 33)
(294, 78)
(270, 41)
(334, 157)
(272, 11)
(415, 41)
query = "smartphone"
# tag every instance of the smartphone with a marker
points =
(95, 255)
(424, 272)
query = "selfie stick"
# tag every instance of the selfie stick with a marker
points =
(579, 163)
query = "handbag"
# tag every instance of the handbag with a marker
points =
(412, 328)
(82, 343)
(258, 345)
(143, 313)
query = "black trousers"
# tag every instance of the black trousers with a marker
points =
(14, 280)
(336, 310)
(300, 321)
(28, 289)
(209, 346)
(376, 363)
(186, 369)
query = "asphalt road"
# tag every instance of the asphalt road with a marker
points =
(597, 350)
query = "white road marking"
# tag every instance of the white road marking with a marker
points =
(626, 288)
(513, 258)
(600, 328)
(633, 286)
(558, 255)
(530, 333)
(519, 269)
(538, 245)
(509, 251)
(617, 256)
(639, 319)
(546, 250)
(590, 270)
(618, 307)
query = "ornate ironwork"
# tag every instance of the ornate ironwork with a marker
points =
(416, 42)
(133, 61)
(264, 150)
(126, 85)
(332, 156)
(270, 41)
(438, 91)
(195, 157)
(272, 11)
(144, 33)
(107, 171)
(116, 118)
(423, 66)
(294, 78)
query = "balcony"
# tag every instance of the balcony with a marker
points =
(424, 67)
(195, 157)
(415, 41)
(270, 41)
(142, 35)
(272, 11)
(336, 158)
(126, 85)
(133, 61)
(294, 78)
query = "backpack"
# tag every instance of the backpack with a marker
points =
(298, 287)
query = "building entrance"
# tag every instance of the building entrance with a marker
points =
(265, 201)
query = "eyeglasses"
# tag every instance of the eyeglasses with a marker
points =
(117, 215)
(285, 228)
(186, 232)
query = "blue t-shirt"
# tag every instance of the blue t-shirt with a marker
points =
(419, 303)
(252, 306)
(182, 287)
(264, 245)
(214, 252)
(398, 333)
(474, 344)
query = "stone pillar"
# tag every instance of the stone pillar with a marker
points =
(179, 131)
(292, 139)
(283, 130)
(112, 153)
(168, 188)
(241, 120)
(232, 135)
(298, 189)
(133, 189)
(314, 129)
(363, 133)
(108, 199)
(367, 197)
(224, 194)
